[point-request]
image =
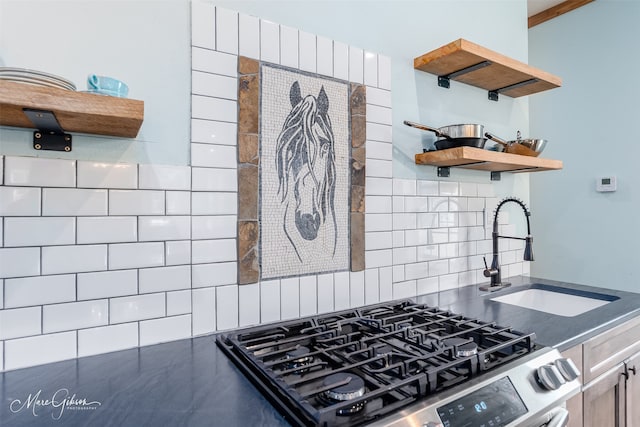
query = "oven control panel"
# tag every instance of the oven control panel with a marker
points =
(516, 395)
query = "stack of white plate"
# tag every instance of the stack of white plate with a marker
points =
(34, 77)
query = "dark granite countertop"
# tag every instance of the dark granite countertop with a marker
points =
(192, 383)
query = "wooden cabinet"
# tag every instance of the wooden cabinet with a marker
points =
(604, 400)
(633, 391)
(611, 379)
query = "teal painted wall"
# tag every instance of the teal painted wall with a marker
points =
(591, 122)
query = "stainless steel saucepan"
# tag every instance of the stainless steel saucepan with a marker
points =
(470, 135)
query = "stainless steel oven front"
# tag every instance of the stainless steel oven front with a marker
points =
(530, 392)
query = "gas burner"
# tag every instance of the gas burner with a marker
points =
(383, 350)
(353, 389)
(462, 347)
(299, 358)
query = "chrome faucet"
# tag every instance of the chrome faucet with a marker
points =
(494, 272)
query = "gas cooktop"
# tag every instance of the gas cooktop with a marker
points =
(355, 366)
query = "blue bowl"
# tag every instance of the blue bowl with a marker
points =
(107, 86)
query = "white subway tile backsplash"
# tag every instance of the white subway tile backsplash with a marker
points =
(448, 188)
(325, 293)
(138, 307)
(164, 279)
(212, 179)
(19, 201)
(75, 315)
(177, 252)
(213, 227)
(178, 202)
(439, 267)
(227, 307)
(207, 108)
(73, 259)
(438, 204)
(467, 219)
(38, 172)
(39, 231)
(378, 114)
(136, 202)
(216, 274)
(211, 132)
(416, 204)
(288, 46)
(211, 155)
(427, 285)
(404, 187)
(106, 284)
(214, 85)
(248, 305)
(457, 204)
(1, 294)
(468, 189)
(20, 322)
(210, 203)
(379, 150)
(178, 302)
(406, 289)
(379, 258)
(379, 132)
(136, 255)
(356, 288)
(378, 204)
(164, 177)
(415, 237)
(378, 187)
(447, 282)
(448, 219)
(398, 273)
(289, 298)
(378, 240)
(404, 221)
(377, 96)
(206, 251)
(427, 253)
(165, 329)
(460, 234)
(203, 306)
(398, 203)
(378, 222)
(38, 350)
(269, 41)
(107, 175)
(107, 229)
(356, 65)
(371, 286)
(227, 31)
(341, 290)
(404, 255)
(214, 62)
(325, 56)
(249, 36)
(475, 204)
(416, 271)
(427, 188)
(427, 220)
(154, 228)
(269, 301)
(370, 70)
(386, 284)
(77, 202)
(107, 338)
(340, 60)
(203, 19)
(308, 296)
(39, 290)
(384, 72)
(307, 51)
(448, 250)
(456, 265)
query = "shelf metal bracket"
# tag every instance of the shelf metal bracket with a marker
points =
(495, 176)
(444, 81)
(50, 135)
(493, 94)
(444, 171)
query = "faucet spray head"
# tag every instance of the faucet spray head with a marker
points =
(528, 248)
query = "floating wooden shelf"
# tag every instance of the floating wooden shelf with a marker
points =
(479, 159)
(75, 111)
(475, 65)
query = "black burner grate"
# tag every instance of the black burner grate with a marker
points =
(401, 352)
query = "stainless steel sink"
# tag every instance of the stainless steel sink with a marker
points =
(556, 300)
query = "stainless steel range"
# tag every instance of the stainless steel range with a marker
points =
(403, 364)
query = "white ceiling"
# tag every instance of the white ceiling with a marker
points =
(537, 6)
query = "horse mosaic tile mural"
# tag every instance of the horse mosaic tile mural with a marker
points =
(301, 157)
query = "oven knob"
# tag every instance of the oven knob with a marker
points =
(567, 368)
(549, 377)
